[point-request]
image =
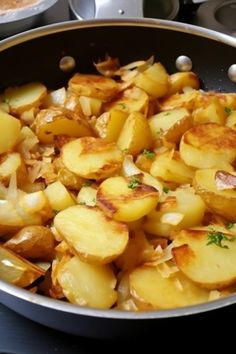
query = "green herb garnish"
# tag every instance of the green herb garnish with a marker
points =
(165, 189)
(82, 203)
(6, 100)
(230, 225)
(134, 182)
(160, 131)
(125, 150)
(227, 110)
(122, 105)
(216, 237)
(148, 154)
(87, 183)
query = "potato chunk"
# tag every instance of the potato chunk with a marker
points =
(208, 145)
(96, 86)
(91, 234)
(87, 284)
(109, 124)
(58, 196)
(17, 270)
(211, 265)
(135, 135)
(126, 198)
(219, 201)
(10, 128)
(149, 287)
(91, 158)
(180, 80)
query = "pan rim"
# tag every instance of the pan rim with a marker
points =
(59, 305)
(149, 23)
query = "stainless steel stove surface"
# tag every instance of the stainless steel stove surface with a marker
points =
(19, 335)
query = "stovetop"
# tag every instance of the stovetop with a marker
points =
(19, 335)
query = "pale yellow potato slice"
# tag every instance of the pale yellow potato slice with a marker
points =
(180, 80)
(135, 135)
(149, 287)
(95, 86)
(91, 234)
(17, 270)
(55, 121)
(87, 195)
(22, 98)
(208, 145)
(154, 80)
(170, 125)
(231, 120)
(58, 196)
(108, 126)
(126, 198)
(208, 264)
(210, 111)
(182, 208)
(66, 177)
(87, 284)
(186, 100)
(92, 158)
(10, 131)
(171, 168)
(219, 201)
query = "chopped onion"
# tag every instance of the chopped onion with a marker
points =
(172, 218)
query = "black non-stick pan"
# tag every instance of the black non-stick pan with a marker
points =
(36, 56)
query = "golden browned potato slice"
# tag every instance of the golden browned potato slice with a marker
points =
(182, 208)
(92, 158)
(65, 176)
(87, 284)
(227, 99)
(185, 100)
(126, 198)
(144, 160)
(108, 126)
(32, 242)
(95, 86)
(58, 196)
(10, 128)
(170, 168)
(231, 120)
(181, 80)
(138, 251)
(149, 287)
(208, 145)
(154, 80)
(130, 100)
(24, 97)
(170, 125)
(91, 234)
(17, 270)
(219, 201)
(210, 111)
(135, 134)
(55, 121)
(207, 257)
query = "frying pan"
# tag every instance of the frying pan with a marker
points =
(35, 55)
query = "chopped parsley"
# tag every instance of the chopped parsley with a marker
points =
(216, 238)
(6, 100)
(125, 150)
(160, 131)
(134, 182)
(87, 184)
(230, 225)
(165, 189)
(122, 105)
(82, 203)
(148, 154)
(227, 110)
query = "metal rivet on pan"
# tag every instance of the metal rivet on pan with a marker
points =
(67, 63)
(121, 12)
(183, 63)
(232, 73)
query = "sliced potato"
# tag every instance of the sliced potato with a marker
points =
(92, 158)
(211, 265)
(55, 121)
(87, 195)
(109, 124)
(208, 145)
(170, 168)
(32, 242)
(170, 125)
(186, 100)
(66, 177)
(126, 198)
(149, 287)
(182, 208)
(16, 270)
(58, 196)
(87, 284)
(211, 111)
(219, 201)
(95, 86)
(10, 127)
(154, 80)
(231, 120)
(180, 80)
(135, 135)
(22, 98)
(91, 234)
